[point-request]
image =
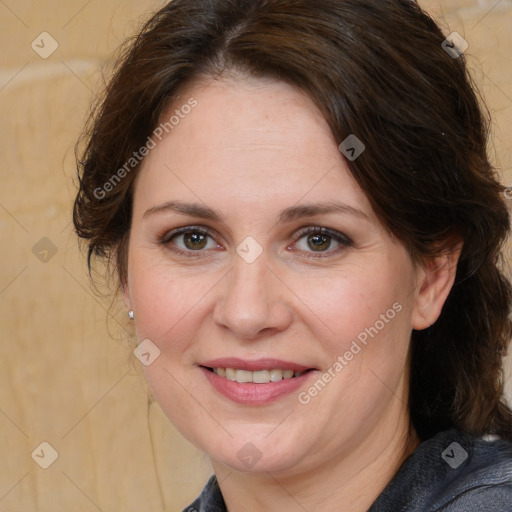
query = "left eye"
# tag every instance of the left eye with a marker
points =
(321, 241)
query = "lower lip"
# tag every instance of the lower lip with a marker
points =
(249, 393)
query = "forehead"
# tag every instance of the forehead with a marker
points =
(250, 115)
(248, 140)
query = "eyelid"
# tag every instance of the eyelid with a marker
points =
(342, 238)
(166, 236)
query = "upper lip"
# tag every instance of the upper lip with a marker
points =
(254, 365)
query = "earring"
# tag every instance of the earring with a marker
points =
(131, 314)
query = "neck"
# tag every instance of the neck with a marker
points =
(350, 483)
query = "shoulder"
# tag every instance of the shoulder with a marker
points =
(453, 472)
(492, 498)
(484, 480)
(210, 499)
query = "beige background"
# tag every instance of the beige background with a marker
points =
(66, 376)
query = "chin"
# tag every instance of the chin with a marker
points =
(257, 454)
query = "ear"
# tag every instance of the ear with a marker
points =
(435, 281)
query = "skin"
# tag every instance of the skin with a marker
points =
(249, 150)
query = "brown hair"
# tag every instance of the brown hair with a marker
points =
(374, 69)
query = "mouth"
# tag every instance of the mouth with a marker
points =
(255, 382)
(258, 376)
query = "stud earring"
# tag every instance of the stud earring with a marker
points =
(131, 314)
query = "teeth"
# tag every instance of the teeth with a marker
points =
(261, 377)
(230, 374)
(258, 377)
(276, 375)
(243, 376)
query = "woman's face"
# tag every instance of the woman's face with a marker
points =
(252, 248)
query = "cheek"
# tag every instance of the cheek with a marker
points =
(167, 302)
(359, 304)
(363, 324)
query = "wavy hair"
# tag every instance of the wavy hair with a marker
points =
(377, 69)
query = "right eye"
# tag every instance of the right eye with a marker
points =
(189, 240)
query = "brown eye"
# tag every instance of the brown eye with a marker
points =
(195, 241)
(319, 242)
(188, 240)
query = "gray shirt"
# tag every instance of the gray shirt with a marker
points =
(450, 472)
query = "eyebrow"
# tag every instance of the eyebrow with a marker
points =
(287, 215)
(311, 210)
(192, 209)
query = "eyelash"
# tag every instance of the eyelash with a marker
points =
(166, 238)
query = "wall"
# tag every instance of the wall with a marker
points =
(66, 376)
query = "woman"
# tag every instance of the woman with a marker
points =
(297, 200)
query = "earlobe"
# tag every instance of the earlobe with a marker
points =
(435, 281)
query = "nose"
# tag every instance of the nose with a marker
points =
(253, 301)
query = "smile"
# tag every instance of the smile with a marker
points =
(257, 377)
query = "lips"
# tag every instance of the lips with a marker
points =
(255, 382)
